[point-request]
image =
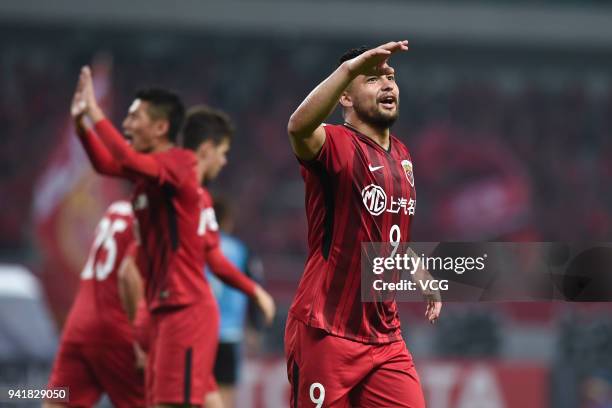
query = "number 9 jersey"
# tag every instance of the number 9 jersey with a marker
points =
(356, 191)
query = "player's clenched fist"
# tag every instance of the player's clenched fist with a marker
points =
(374, 61)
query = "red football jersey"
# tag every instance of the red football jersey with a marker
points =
(97, 315)
(175, 218)
(356, 192)
(208, 221)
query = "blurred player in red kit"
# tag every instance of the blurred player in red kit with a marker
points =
(206, 131)
(174, 218)
(97, 354)
(359, 181)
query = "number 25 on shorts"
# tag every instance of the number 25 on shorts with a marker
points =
(317, 388)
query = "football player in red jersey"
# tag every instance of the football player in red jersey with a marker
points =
(174, 217)
(341, 351)
(96, 352)
(207, 132)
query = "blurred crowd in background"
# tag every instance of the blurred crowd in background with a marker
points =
(507, 145)
(501, 146)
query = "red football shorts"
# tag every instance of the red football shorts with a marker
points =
(332, 372)
(89, 370)
(182, 353)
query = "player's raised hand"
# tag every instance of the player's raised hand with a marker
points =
(375, 61)
(88, 95)
(266, 304)
(78, 105)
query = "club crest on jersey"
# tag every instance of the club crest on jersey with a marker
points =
(407, 165)
(374, 199)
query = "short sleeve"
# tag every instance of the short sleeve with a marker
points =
(209, 223)
(334, 153)
(175, 166)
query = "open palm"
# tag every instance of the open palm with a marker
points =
(375, 61)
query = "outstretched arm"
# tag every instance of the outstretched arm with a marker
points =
(99, 156)
(121, 153)
(228, 273)
(305, 131)
(232, 276)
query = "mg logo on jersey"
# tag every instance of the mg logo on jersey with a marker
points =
(374, 199)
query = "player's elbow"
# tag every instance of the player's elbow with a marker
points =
(97, 168)
(104, 168)
(295, 128)
(101, 169)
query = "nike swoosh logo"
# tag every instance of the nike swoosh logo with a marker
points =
(374, 168)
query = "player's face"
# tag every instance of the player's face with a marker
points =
(140, 128)
(375, 99)
(217, 158)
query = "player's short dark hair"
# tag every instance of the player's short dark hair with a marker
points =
(352, 53)
(205, 123)
(164, 104)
